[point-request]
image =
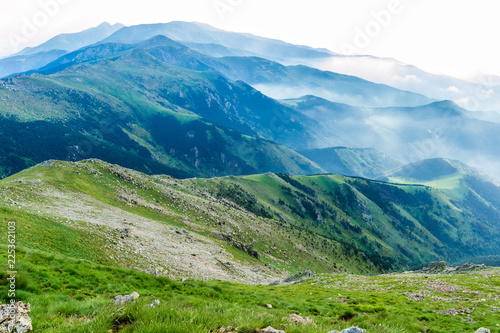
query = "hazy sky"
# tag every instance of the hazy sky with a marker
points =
(455, 37)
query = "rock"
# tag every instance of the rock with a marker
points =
(118, 300)
(229, 329)
(353, 330)
(469, 268)
(155, 303)
(299, 276)
(434, 267)
(350, 330)
(440, 267)
(483, 330)
(14, 318)
(269, 329)
(269, 306)
(296, 319)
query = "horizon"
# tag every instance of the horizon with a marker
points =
(384, 29)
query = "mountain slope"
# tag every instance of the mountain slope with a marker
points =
(482, 95)
(193, 32)
(32, 58)
(24, 63)
(326, 223)
(141, 112)
(283, 82)
(73, 41)
(361, 162)
(440, 129)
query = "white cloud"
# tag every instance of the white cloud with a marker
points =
(452, 89)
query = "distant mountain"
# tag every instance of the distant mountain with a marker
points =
(282, 82)
(479, 95)
(170, 74)
(156, 117)
(272, 78)
(24, 63)
(492, 116)
(461, 182)
(199, 33)
(35, 57)
(361, 162)
(440, 129)
(432, 169)
(73, 41)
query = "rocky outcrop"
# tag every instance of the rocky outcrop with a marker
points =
(441, 267)
(248, 248)
(296, 278)
(119, 300)
(14, 318)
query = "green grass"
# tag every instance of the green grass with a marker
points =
(69, 295)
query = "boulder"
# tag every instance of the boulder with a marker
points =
(118, 300)
(14, 318)
(483, 330)
(269, 329)
(350, 330)
(296, 319)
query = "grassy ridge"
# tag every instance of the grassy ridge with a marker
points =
(283, 223)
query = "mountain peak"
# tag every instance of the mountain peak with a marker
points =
(159, 40)
(104, 24)
(431, 169)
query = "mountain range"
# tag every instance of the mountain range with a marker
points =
(360, 167)
(195, 85)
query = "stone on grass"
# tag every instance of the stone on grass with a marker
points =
(483, 330)
(350, 330)
(269, 329)
(155, 303)
(14, 318)
(118, 300)
(296, 319)
(229, 329)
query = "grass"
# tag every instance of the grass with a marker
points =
(69, 295)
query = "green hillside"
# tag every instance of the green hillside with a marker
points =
(140, 112)
(282, 224)
(90, 230)
(361, 162)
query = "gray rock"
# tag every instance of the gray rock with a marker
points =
(118, 300)
(269, 329)
(441, 267)
(350, 330)
(155, 303)
(299, 276)
(229, 329)
(15, 318)
(296, 319)
(483, 330)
